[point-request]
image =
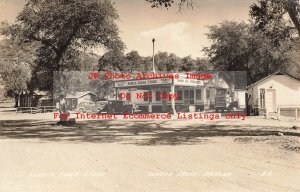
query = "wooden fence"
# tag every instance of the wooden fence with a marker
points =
(33, 110)
(288, 111)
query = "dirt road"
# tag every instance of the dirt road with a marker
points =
(142, 156)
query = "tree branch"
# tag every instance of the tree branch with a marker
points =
(291, 9)
(44, 41)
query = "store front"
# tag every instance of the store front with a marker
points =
(167, 95)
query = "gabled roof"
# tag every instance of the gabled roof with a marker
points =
(276, 73)
(219, 74)
(79, 94)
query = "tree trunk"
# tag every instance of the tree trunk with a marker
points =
(291, 9)
(16, 100)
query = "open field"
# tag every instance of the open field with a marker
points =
(175, 155)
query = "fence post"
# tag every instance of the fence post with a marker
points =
(296, 113)
(278, 113)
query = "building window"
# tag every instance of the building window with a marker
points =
(198, 94)
(189, 97)
(158, 95)
(128, 96)
(186, 94)
(192, 96)
(147, 96)
(207, 94)
(120, 96)
(179, 93)
(262, 98)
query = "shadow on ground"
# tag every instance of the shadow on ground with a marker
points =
(137, 132)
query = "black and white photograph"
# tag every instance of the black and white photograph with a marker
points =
(149, 95)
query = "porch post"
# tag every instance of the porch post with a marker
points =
(173, 109)
(116, 93)
(150, 109)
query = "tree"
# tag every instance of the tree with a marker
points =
(134, 60)
(229, 49)
(173, 63)
(293, 9)
(16, 77)
(187, 64)
(62, 28)
(202, 64)
(74, 81)
(16, 65)
(168, 3)
(266, 12)
(167, 62)
(270, 18)
(160, 60)
(146, 65)
(240, 47)
(113, 61)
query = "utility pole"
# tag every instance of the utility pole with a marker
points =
(153, 68)
(150, 90)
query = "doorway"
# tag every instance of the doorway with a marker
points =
(271, 100)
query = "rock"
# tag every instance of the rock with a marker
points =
(295, 127)
(280, 134)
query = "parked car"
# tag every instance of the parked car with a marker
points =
(102, 105)
(87, 106)
(119, 107)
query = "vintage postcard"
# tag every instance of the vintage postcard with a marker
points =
(149, 95)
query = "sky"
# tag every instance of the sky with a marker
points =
(182, 33)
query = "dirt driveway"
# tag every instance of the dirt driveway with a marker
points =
(38, 155)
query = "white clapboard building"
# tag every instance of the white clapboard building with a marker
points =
(279, 90)
(191, 94)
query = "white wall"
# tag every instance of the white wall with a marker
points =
(287, 90)
(85, 98)
(240, 98)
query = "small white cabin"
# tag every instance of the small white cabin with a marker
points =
(276, 90)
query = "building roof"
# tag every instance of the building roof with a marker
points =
(38, 92)
(220, 75)
(45, 98)
(79, 94)
(269, 76)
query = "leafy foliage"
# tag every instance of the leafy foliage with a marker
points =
(240, 46)
(229, 49)
(270, 12)
(165, 62)
(112, 61)
(168, 3)
(63, 25)
(278, 21)
(134, 60)
(63, 28)
(16, 65)
(160, 3)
